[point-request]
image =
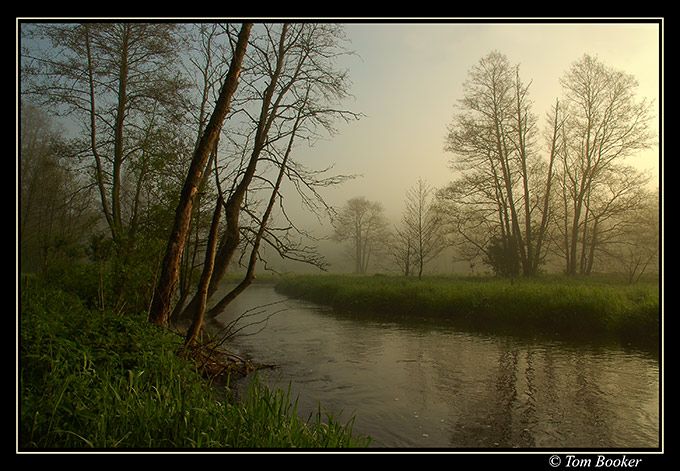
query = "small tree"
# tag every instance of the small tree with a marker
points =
(400, 251)
(421, 238)
(501, 256)
(631, 239)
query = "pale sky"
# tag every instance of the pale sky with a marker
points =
(408, 78)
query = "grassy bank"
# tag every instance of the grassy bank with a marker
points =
(91, 380)
(582, 306)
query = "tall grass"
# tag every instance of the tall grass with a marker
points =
(89, 380)
(593, 305)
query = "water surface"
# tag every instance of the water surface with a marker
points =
(424, 383)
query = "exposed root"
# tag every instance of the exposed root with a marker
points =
(216, 364)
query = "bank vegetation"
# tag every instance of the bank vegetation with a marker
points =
(589, 307)
(106, 380)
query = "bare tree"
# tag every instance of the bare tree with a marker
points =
(421, 237)
(634, 245)
(399, 248)
(505, 184)
(290, 92)
(207, 64)
(165, 289)
(605, 124)
(263, 226)
(362, 223)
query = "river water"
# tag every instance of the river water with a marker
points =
(426, 384)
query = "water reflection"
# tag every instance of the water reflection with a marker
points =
(430, 385)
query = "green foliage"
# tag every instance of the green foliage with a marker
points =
(503, 256)
(268, 418)
(83, 280)
(118, 275)
(585, 306)
(100, 380)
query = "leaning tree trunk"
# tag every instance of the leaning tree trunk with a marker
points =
(167, 283)
(202, 294)
(234, 202)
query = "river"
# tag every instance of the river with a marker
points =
(426, 384)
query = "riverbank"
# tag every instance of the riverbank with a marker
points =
(103, 380)
(576, 307)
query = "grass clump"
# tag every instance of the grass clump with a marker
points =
(103, 380)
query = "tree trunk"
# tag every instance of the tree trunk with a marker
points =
(167, 283)
(546, 196)
(93, 137)
(121, 113)
(231, 237)
(250, 273)
(192, 333)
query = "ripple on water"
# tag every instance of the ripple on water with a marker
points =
(434, 386)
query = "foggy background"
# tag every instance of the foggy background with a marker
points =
(406, 80)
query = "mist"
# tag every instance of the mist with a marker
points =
(407, 81)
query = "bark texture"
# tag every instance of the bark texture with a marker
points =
(167, 284)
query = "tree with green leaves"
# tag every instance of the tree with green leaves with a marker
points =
(55, 215)
(120, 83)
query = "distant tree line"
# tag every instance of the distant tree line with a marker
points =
(528, 193)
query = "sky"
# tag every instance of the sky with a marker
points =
(407, 77)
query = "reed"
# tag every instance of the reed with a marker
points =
(89, 380)
(592, 305)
